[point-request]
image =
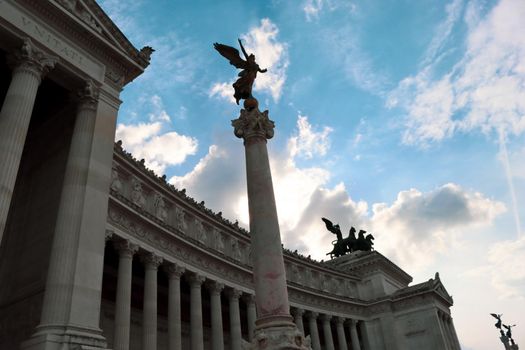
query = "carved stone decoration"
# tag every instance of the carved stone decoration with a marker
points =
(160, 208)
(31, 59)
(218, 239)
(200, 232)
(116, 184)
(137, 197)
(75, 7)
(278, 337)
(180, 217)
(253, 123)
(236, 253)
(88, 95)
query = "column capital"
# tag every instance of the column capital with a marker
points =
(249, 298)
(339, 320)
(194, 279)
(353, 322)
(326, 317)
(253, 124)
(88, 96)
(173, 271)
(214, 286)
(125, 248)
(297, 311)
(151, 260)
(312, 315)
(233, 293)
(33, 60)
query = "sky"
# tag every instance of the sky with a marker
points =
(403, 118)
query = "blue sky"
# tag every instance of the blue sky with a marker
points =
(403, 118)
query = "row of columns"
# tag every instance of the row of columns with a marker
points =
(340, 322)
(152, 262)
(449, 332)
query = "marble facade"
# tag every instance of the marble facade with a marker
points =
(98, 252)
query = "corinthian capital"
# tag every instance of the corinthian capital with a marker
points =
(32, 60)
(253, 124)
(88, 95)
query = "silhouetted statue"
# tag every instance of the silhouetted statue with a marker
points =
(497, 317)
(339, 245)
(243, 85)
(349, 244)
(509, 332)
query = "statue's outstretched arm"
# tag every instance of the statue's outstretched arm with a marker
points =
(243, 50)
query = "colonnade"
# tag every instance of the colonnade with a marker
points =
(449, 332)
(196, 281)
(326, 325)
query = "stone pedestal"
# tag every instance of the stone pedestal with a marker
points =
(274, 326)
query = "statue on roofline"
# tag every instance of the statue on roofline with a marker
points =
(349, 244)
(243, 85)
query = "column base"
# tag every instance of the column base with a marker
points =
(56, 338)
(278, 335)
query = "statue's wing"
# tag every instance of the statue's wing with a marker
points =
(329, 225)
(496, 316)
(232, 54)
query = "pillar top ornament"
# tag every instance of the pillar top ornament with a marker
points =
(312, 315)
(151, 260)
(125, 247)
(340, 320)
(174, 270)
(326, 317)
(214, 286)
(297, 311)
(88, 95)
(194, 279)
(234, 293)
(31, 59)
(249, 298)
(253, 124)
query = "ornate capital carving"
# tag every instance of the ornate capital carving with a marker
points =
(88, 96)
(312, 315)
(249, 299)
(195, 280)
(340, 320)
(214, 286)
(234, 294)
(125, 248)
(32, 60)
(353, 323)
(326, 317)
(174, 271)
(297, 312)
(253, 125)
(151, 260)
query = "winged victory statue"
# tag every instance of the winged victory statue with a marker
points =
(243, 85)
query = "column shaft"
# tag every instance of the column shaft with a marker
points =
(61, 271)
(327, 331)
(341, 338)
(314, 333)
(252, 315)
(149, 309)
(217, 339)
(235, 320)
(197, 341)
(31, 65)
(174, 323)
(298, 319)
(123, 300)
(353, 335)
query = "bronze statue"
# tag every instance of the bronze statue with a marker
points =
(349, 244)
(497, 317)
(509, 332)
(243, 85)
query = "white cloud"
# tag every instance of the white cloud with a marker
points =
(507, 269)
(308, 143)
(222, 90)
(147, 140)
(417, 226)
(484, 91)
(313, 8)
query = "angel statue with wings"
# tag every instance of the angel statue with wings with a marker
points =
(243, 85)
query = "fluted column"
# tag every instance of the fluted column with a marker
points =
(353, 335)
(249, 299)
(123, 301)
(195, 281)
(61, 271)
(341, 338)
(174, 273)
(327, 331)
(297, 314)
(217, 339)
(149, 309)
(30, 65)
(235, 319)
(314, 332)
(454, 334)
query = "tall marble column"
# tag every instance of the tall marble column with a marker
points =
(353, 335)
(314, 332)
(235, 319)
(149, 309)
(123, 301)
(341, 338)
(61, 270)
(217, 339)
(197, 340)
(174, 273)
(327, 332)
(30, 65)
(274, 322)
(249, 299)
(298, 318)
